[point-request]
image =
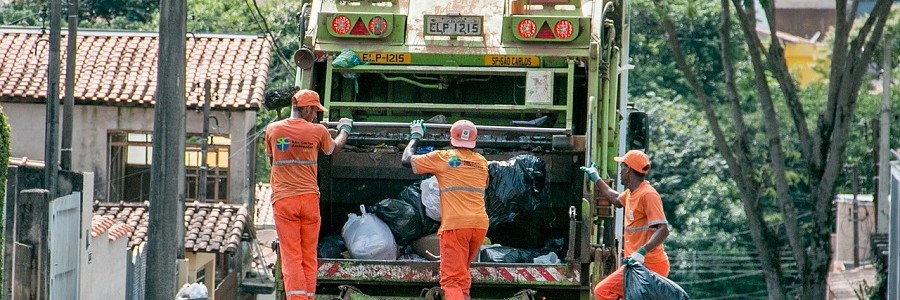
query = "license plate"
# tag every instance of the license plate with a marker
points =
(512, 61)
(383, 58)
(453, 25)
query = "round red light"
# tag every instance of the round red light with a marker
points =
(527, 28)
(563, 29)
(340, 25)
(378, 25)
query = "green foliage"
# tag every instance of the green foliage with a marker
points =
(119, 14)
(4, 159)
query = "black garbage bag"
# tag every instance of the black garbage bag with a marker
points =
(642, 283)
(406, 216)
(331, 247)
(516, 185)
(503, 254)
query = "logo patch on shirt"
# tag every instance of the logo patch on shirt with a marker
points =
(282, 144)
(454, 161)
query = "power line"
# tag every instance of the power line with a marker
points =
(270, 37)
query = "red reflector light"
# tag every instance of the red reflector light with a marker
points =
(340, 25)
(545, 32)
(378, 25)
(359, 28)
(563, 29)
(527, 28)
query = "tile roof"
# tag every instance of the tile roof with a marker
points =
(209, 227)
(263, 210)
(119, 68)
(101, 224)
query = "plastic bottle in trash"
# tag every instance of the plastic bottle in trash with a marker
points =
(424, 149)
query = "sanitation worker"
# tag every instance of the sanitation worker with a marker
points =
(293, 145)
(645, 222)
(462, 177)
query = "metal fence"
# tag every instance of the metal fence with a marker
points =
(136, 276)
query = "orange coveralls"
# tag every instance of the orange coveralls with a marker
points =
(462, 177)
(294, 145)
(643, 208)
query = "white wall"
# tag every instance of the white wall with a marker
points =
(104, 273)
(92, 124)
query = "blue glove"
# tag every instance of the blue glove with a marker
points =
(637, 256)
(417, 129)
(345, 125)
(591, 172)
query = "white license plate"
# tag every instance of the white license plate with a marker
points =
(454, 25)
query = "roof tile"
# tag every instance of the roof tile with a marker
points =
(208, 225)
(120, 67)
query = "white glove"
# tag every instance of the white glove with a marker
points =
(345, 124)
(416, 129)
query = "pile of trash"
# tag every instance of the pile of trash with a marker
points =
(516, 186)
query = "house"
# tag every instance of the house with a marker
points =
(213, 237)
(115, 87)
(802, 56)
(804, 18)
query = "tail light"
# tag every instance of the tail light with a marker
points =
(378, 25)
(527, 28)
(563, 29)
(340, 25)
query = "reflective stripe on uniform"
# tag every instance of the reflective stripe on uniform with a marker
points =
(295, 292)
(462, 188)
(294, 162)
(636, 229)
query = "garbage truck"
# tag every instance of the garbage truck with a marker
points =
(541, 78)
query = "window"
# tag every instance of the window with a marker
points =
(130, 157)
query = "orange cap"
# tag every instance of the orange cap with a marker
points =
(306, 97)
(636, 160)
(463, 134)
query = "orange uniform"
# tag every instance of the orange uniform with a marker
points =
(462, 177)
(294, 145)
(643, 209)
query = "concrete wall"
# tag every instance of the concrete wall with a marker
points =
(93, 123)
(104, 273)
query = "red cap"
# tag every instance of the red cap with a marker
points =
(636, 160)
(306, 97)
(463, 134)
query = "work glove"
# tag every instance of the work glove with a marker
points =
(591, 172)
(637, 256)
(345, 125)
(416, 129)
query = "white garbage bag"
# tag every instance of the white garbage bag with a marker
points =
(431, 198)
(368, 237)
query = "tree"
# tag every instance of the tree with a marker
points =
(822, 148)
(4, 158)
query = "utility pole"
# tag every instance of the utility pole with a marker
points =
(882, 219)
(854, 216)
(204, 167)
(51, 135)
(69, 101)
(166, 228)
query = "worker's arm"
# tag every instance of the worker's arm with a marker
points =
(658, 237)
(601, 186)
(408, 153)
(416, 131)
(344, 126)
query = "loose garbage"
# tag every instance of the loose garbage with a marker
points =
(642, 283)
(504, 254)
(428, 246)
(367, 237)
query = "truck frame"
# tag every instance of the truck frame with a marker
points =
(538, 76)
